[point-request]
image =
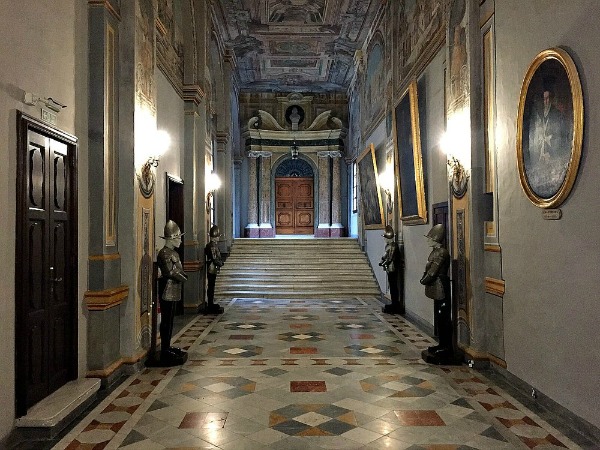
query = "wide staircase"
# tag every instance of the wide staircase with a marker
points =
(296, 268)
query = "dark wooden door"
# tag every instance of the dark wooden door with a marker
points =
(175, 213)
(294, 205)
(46, 262)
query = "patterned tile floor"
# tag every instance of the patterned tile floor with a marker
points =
(309, 374)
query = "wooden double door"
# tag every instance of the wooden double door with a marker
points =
(46, 262)
(294, 205)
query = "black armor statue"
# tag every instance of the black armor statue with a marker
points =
(392, 263)
(437, 287)
(214, 262)
(170, 283)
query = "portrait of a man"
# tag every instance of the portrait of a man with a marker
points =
(547, 129)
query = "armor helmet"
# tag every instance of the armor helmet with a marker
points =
(214, 232)
(389, 232)
(172, 231)
(436, 233)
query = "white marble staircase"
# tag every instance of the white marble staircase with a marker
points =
(296, 268)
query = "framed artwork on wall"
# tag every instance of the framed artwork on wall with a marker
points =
(549, 128)
(370, 192)
(408, 159)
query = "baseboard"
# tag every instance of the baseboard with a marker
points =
(420, 323)
(579, 430)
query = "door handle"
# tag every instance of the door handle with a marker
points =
(54, 280)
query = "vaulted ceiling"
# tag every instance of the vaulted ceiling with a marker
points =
(295, 45)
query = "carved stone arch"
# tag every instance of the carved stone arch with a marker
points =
(286, 157)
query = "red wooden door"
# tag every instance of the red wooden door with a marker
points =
(294, 205)
(46, 269)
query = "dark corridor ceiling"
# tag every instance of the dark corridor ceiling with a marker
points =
(295, 45)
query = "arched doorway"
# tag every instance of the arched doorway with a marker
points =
(294, 197)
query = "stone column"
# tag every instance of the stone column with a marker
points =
(223, 195)
(252, 227)
(337, 230)
(324, 196)
(266, 229)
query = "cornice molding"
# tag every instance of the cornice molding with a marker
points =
(106, 299)
(193, 93)
(494, 286)
(106, 4)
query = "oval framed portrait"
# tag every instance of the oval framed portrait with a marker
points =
(549, 128)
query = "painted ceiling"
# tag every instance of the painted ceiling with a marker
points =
(295, 45)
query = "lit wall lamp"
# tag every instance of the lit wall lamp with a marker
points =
(213, 183)
(458, 175)
(146, 177)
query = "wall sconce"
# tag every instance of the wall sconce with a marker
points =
(34, 99)
(458, 176)
(213, 182)
(146, 177)
(455, 143)
(294, 150)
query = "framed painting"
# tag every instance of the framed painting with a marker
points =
(549, 128)
(408, 159)
(370, 192)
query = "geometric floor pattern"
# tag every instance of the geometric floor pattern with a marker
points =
(309, 374)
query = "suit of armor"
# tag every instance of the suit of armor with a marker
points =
(392, 263)
(170, 283)
(436, 273)
(214, 262)
(437, 287)
(172, 273)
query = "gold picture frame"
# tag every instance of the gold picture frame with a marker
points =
(408, 160)
(370, 192)
(549, 128)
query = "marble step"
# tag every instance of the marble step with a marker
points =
(296, 268)
(294, 294)
(231, 284)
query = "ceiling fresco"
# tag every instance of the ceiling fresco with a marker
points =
(295, 45)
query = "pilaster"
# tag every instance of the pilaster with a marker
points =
(252, 227)
(266, 229)
(323, 226)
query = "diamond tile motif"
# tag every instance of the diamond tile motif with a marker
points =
(353, 326)
(245, 351)
(310, 336)
(245, 326)
(313, 420)
(300, 317)
(379, 350)
(358, 374)
(338, 371)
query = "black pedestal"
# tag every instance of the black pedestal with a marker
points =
(393, 308)
(213, 308)
(174, 358)
(443, 357)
